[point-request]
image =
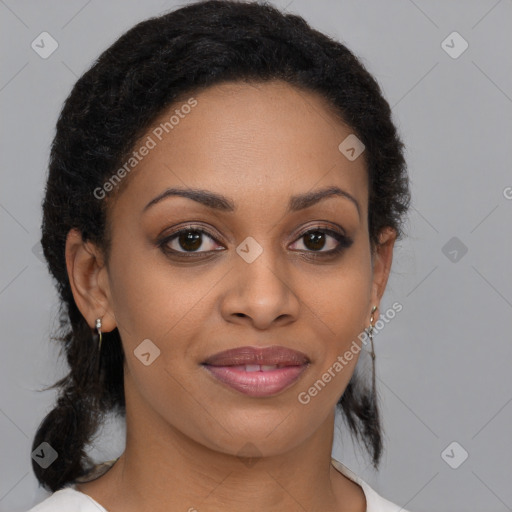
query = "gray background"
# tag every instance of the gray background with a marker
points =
(443, 362)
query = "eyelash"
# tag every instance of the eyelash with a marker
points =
(343, 242)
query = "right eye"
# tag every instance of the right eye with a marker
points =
(189, 238)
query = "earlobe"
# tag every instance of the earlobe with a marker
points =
(383, 258)
(85, 266)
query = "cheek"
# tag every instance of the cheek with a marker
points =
(154, 300)
(342, 306)
(342, 300)
(139, 292)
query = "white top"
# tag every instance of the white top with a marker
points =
(69, 499)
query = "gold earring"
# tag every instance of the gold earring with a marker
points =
(98, 331)
(370, 330)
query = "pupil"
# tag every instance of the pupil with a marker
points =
(191, 240)
(317, 240)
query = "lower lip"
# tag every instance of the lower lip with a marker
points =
(258, 383)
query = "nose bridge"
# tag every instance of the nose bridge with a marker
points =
(261, 267)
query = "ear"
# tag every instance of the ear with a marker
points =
(382, 259)
(88, 277)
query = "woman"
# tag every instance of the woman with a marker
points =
(226, 187)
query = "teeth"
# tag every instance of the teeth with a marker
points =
(258, 367)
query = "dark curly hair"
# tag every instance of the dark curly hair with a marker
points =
(152, 66)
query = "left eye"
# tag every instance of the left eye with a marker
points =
(191, 240)
(316, 239)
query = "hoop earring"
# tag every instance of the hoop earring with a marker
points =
(98, 332)
(370, 331)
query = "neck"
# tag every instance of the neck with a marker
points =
(162, 469)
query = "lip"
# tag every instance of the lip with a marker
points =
(238, 368)
(258, 355)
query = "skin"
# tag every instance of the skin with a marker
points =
(257, 144)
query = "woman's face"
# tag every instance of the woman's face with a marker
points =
(245, 272)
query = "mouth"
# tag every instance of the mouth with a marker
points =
(257, 372)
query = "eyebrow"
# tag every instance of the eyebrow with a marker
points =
(221, 203)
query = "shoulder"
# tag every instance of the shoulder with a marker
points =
(67, 500)
(374, 502)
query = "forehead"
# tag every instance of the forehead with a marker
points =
(250, 141)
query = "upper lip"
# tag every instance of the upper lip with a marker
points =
(274, 355)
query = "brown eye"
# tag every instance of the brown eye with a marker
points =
(188, 240)
(315, 240)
